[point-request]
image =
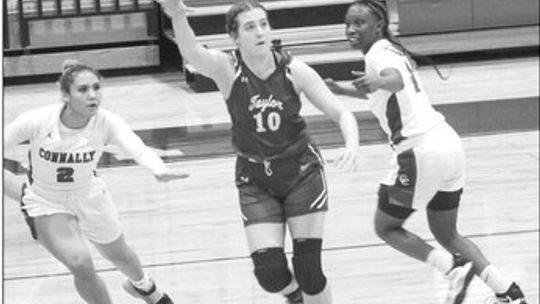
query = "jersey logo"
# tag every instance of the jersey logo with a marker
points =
(304, 167)
(244, 79)
(256, 102)
(66, 157)
(404, 180)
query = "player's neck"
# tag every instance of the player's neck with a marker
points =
(262, 65)
(72, 119)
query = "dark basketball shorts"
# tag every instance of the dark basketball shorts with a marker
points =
(283, 188)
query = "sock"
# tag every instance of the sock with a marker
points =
(143, 284)
(293, 285)
(441, 260)
(495, 280)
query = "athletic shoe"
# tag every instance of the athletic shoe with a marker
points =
(513, 295)
(460, 276)
(152, 296)
(295, 297)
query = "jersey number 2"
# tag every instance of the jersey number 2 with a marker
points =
(273, 121)
(64, 175)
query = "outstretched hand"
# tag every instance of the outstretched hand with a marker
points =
(365, 83)
(171, 7)
(333, 86)
(348, 159)
(169, 176)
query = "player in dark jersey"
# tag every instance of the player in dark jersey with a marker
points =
(279, 171)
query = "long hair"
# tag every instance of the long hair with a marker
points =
(379, 9)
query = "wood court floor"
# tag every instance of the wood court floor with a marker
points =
(189, 234)
(190, 239)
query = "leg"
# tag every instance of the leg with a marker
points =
(59, 234)
(123, 257)
(265, 241)
(389, 219)
(307, 231)
(442, 215)
(126, 260)
(265, 231)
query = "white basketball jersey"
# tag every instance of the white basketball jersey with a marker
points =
(407, 113)
(63, 159)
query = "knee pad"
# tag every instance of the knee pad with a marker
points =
(443, 201)
(271, 269)
(307, 265)
(384, 204)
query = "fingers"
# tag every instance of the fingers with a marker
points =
(347, 160)
(171, 176)
(358, 73)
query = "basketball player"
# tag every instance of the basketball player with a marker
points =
(279, 170)
(428, 159)
(64, 200)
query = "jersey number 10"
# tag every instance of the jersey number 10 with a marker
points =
(273, 121)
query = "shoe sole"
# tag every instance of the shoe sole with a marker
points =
(460, 296)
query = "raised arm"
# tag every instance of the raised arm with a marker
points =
(311, 84)
(211, 63)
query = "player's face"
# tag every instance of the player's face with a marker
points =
(253, 31)
(84, 95)
(363, 28)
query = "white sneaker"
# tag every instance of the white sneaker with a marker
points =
(460, 277)
(152, 296)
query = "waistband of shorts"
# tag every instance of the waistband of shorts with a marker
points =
(50, 192)
(416, 140)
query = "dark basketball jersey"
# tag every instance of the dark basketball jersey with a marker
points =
(265, 114)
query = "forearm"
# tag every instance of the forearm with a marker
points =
(352, 92)
(12, 185)
(150, 160)
(349, 129)
(185, 38)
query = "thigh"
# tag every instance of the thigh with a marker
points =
(97, 214)
(265, 235)
(307, 226)
(308, 196)
(34, 206)
(257, 204)
(60, 235)
(414, 178)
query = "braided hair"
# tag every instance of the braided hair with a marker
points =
(379, 9)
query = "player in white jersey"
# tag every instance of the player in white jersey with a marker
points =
(64, 200)
(428, 163)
